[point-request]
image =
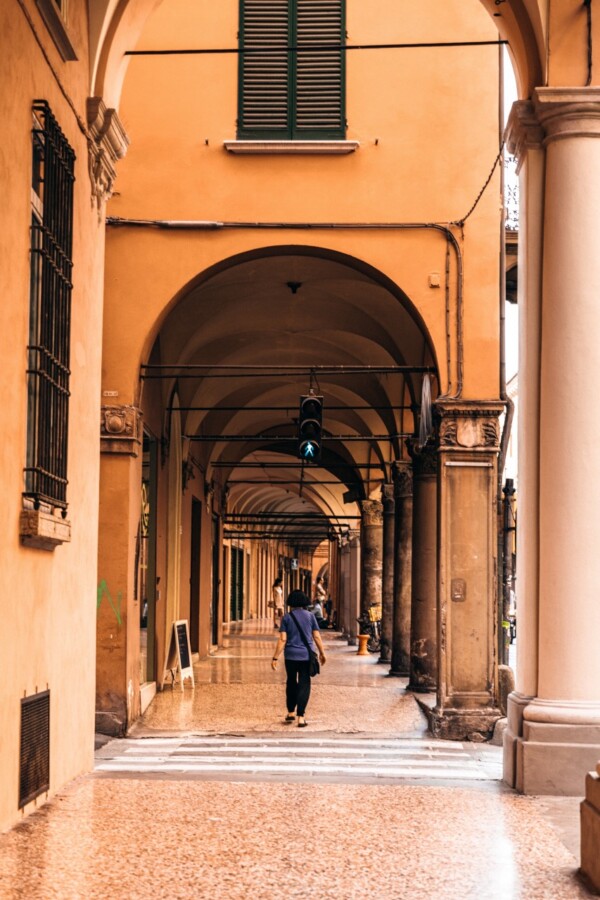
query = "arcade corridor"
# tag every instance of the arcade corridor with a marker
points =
(213, 796)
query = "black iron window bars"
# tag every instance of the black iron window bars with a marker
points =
(50, 311)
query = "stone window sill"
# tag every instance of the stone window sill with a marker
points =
(305, 148)
(43, 529)
(57, 28)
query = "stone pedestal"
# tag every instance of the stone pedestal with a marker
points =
(467, 706)
(117, 642)
(387, 587)
(423, 626)
(590, 829)
(403, 537)
(371, 554)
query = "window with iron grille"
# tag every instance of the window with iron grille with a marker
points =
(50, 311)
(291, 70)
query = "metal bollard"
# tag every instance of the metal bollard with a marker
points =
(362, 645)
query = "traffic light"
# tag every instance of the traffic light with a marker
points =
(309, 428)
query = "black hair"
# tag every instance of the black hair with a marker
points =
(298, 599)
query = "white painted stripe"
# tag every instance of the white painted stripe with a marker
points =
(266, 741)
(347, 762)
(416, 771)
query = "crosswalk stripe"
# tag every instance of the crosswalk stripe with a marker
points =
(226, 757)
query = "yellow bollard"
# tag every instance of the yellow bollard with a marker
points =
(363, 640)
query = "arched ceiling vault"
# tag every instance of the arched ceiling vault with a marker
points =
(231, 340)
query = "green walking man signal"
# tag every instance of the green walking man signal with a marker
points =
(309, 427)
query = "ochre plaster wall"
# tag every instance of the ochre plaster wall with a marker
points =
(48, 600)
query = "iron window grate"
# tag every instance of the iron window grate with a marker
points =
(50, 310)
(34, 758)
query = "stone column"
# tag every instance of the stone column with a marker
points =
(560, 737)
(371, 554)
(403, 489)
(525, 141)
(387, 580)
(354, 592)
(118, 618)
(423, 627)
(343, 599)
(467, 706)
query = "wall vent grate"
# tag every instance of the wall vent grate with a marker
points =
(34, 763)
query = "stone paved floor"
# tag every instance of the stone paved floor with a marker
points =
(141, 837)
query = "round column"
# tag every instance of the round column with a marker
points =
(423, 629)
(403, 488)
(387, 581)
(371, 554)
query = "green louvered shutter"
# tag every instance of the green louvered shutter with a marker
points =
(286, 93)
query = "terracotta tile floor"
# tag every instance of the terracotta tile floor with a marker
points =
(142, 837)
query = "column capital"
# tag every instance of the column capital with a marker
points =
(121, 430)
(424, 459)
(372, 512)
(553, 113)
(402, 474)
(567, 112)
(387, 498)
(469, 425)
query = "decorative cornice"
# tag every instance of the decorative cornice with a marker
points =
(372, 512)
(469, 426)
(43, 530)
(121, 430)
(523, 131)
(109, 144)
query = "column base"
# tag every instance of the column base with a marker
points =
(475, 725)
(550, 745)
(590, 829)
(399, 673)
(421, 684)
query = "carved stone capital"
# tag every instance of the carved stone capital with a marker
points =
(469, 426)
(109, 144)
(388, 499)
(372, 512)
(553, 113)
(424, 459)
(567, 112)
(121, 430)
(402, 473)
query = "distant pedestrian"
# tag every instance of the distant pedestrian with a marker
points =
(277, 601)
(296, 623)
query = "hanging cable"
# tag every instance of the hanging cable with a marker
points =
(461, 222)
(588, 6)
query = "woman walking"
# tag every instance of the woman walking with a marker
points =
(295, 625)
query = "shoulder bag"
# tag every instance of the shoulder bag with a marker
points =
(313, 660)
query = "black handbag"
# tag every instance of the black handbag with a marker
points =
(314, 667)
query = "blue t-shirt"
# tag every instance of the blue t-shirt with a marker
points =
(294, 645)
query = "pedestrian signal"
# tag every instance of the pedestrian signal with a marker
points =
(309, 428)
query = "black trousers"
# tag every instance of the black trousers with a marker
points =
(297, 687)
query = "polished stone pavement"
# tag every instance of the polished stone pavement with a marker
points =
(189, 806)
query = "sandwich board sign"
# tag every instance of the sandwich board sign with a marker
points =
(179, 654)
